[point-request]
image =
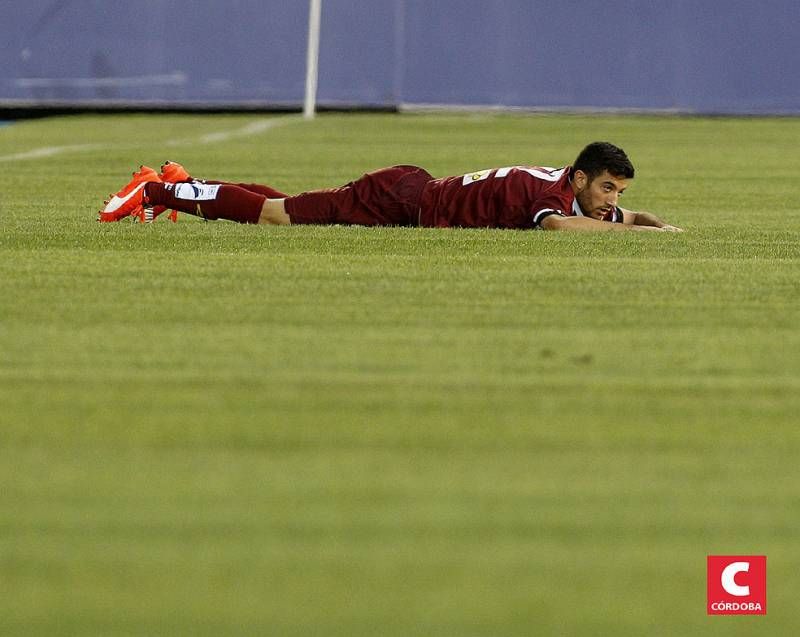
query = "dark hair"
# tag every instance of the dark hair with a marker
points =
(600, 156)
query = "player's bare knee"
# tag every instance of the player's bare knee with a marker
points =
(273, 212)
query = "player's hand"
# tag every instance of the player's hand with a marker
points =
(669, 228)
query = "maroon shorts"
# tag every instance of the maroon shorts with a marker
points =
(385, 197)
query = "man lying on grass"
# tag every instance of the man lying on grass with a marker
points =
(583, 196)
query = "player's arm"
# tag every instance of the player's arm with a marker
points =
(631, 218)
(587, 224)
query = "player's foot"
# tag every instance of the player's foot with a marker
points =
(130, 200)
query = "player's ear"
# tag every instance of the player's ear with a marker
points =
(580, 179)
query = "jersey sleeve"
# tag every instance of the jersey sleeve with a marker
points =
(542, 214)
(551, 204)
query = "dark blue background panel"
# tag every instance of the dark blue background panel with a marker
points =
(731, 57)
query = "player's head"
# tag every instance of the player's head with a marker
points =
(600, 175)
(601, 156)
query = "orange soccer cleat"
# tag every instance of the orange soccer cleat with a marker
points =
(173, 172)
(130, 200)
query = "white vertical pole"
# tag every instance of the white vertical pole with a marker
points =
(312, 59)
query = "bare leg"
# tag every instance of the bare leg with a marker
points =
(273, 212)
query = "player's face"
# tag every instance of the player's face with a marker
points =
(600, 196)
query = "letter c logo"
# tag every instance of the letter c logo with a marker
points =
(728, 583)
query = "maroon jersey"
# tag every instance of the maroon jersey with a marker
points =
(514, 197)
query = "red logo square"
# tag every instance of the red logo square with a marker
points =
(737, 585)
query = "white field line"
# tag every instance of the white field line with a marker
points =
(49, 151)
(253, 128)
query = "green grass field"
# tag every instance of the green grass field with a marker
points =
(212, 429)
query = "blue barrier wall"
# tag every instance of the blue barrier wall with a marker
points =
(735, 56)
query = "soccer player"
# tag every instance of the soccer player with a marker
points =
(584, 196)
